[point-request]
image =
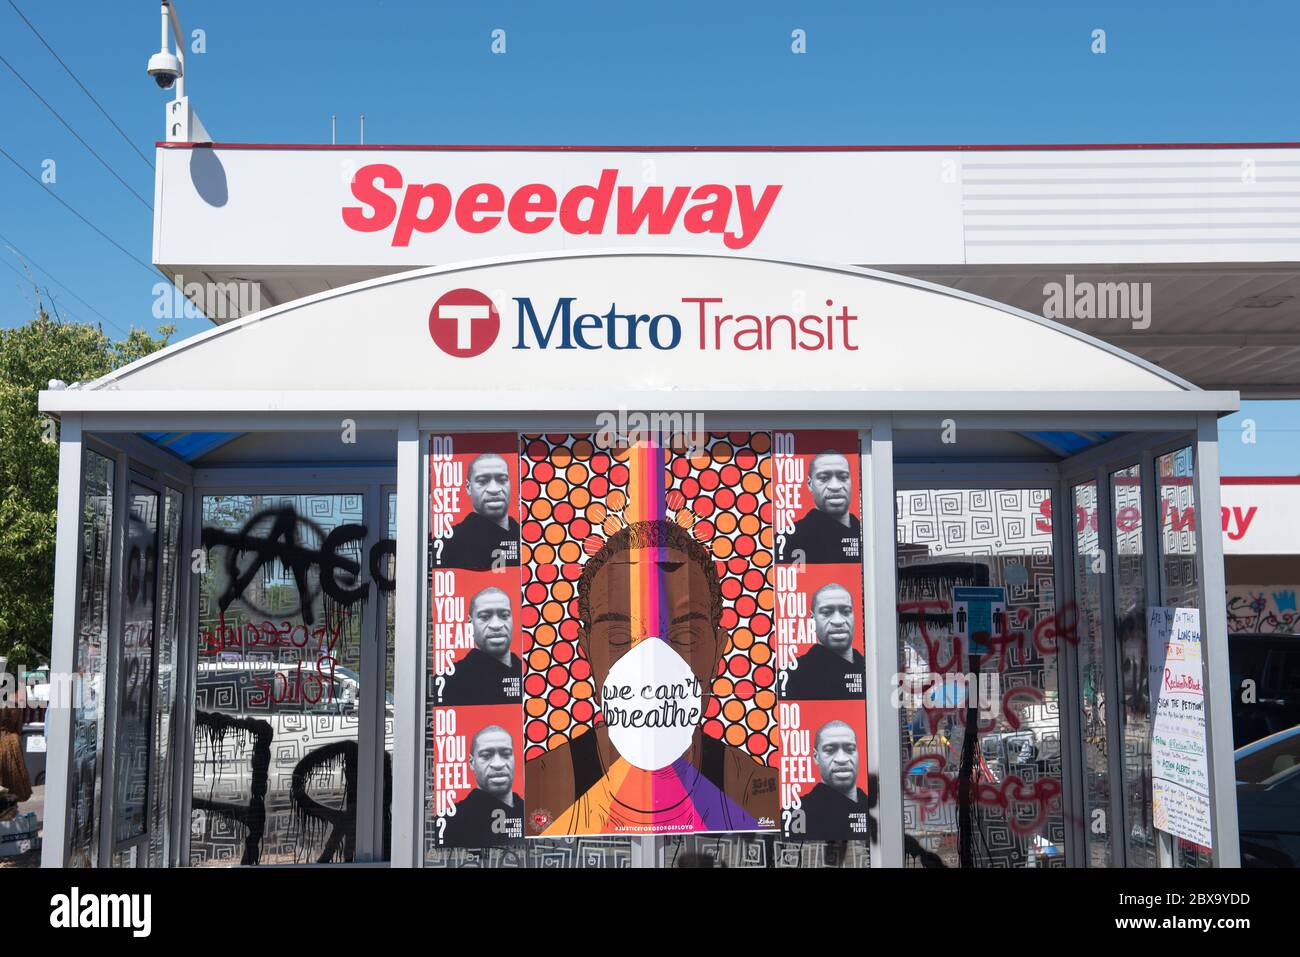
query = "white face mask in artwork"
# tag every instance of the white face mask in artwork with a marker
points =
(652, 704)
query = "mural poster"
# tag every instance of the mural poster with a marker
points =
(646, 638)
(650, 686)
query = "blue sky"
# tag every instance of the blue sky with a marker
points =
(703, 72)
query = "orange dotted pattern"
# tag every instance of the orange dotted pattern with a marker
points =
(571, 492)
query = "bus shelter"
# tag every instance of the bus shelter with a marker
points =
(639, 559)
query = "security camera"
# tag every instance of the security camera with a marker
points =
(165, 69)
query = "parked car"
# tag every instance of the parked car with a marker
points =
(1272, 702)
(1268, 800)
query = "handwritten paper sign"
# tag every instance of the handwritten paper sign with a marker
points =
(1180, 786)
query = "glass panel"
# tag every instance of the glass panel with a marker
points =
(760, 851)
(135, 682)
(1178, 566)
(1089, 576)
(1179, 575)
(1130, 629)
(168, 635)
(557, 852)
(126, 857)
(281, 606)
(92, 640)
(977, 650)
(390, 644)
(390, 606)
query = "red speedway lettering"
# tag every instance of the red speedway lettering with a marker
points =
(536, 207)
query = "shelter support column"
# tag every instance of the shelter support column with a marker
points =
(881, 593)
(407, 662)
(58, 723)
(1214, 629)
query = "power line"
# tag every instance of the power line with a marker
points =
(28, 260)
(60, 118)
(65, 311)
(49, 192)
(80, 84)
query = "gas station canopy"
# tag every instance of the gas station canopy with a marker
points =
(1183, 255)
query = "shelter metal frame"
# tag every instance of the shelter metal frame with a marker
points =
(97, 419)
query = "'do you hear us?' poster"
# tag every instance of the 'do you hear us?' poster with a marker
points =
(649, 612)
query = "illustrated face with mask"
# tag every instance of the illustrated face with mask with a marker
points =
(653, 644)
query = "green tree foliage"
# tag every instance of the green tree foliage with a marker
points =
(30, 356)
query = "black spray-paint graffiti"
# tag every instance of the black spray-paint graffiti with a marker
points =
(334, 828)
(251, 818)
(339, 575)
(337, 826)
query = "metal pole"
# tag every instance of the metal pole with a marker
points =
(880, 590)
(370, 703)
(1214, 642)
(408, 673)
(1074, 806)
(1153, 559)
(58, 716)
(170, 14)
(1113, 700)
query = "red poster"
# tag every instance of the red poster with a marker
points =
(476, 638)
(474, 501)
(816, 497)
(476, 776)
(819, 643)
(823, 770)
(475, 672)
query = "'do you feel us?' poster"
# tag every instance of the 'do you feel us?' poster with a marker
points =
(685, 627)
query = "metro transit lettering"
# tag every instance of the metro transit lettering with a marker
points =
(718, 331)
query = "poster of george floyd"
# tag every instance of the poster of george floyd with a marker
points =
(819, 636)
(671, 643)
(475, 673)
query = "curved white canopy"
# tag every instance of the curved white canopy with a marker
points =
(585, 323)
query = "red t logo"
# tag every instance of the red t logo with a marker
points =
(464, 323)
